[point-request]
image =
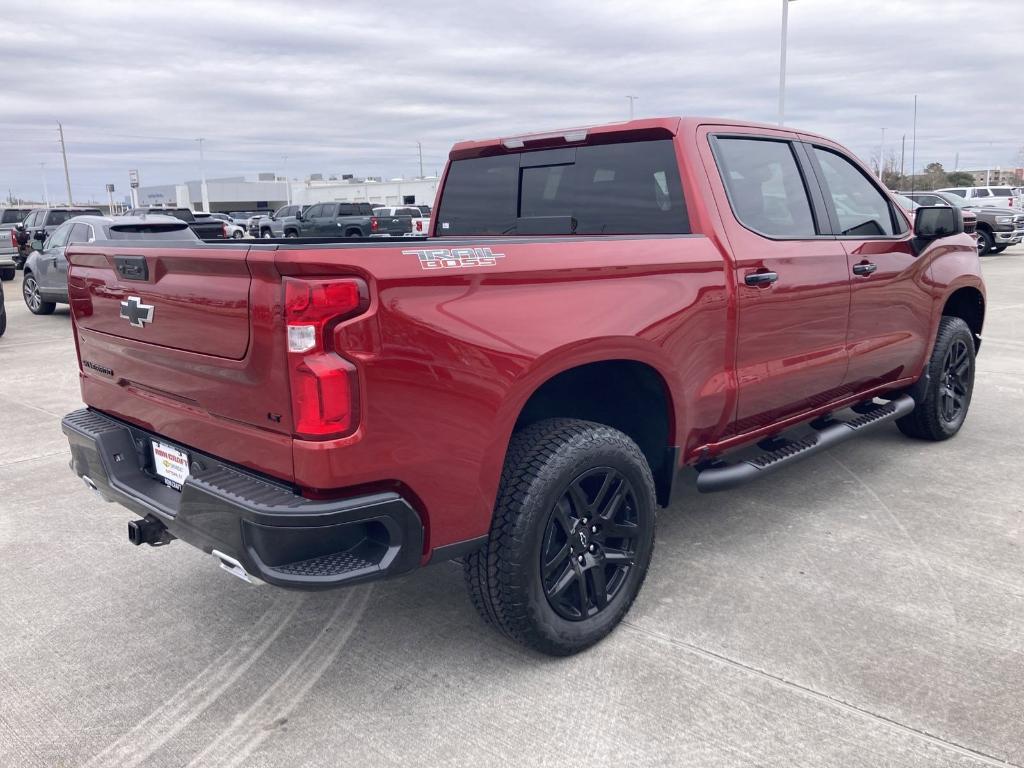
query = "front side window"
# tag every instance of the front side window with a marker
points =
(765, 186)
(981, 192)
(314, 211)
(862, 209)
(606, 189)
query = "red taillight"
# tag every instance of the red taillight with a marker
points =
(374, 224)
(324, 385)
(419, 225)
(14, 238)
(224, 231)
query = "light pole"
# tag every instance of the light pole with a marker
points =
(631, 100)
(203, 193)
(782, 62)
(46, 192)
(287, 183)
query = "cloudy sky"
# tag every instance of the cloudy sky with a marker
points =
(342, 87)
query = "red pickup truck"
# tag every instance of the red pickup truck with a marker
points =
(596, 310)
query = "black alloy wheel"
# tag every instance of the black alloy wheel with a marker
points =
(956, 381)
(589, 544)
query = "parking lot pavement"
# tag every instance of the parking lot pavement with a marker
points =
(863, 608)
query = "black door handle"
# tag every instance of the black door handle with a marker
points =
(864, 268)
(761, 278)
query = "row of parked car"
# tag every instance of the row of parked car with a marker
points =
(998, 212)
(338, 219)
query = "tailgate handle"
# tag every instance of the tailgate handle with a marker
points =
(132, 267)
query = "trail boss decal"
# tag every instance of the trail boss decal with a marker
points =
(453, 258)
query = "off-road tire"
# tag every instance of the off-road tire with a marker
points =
(927, 421)
(504, 577)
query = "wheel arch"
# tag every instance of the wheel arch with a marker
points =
(627, 390)
(967, 303)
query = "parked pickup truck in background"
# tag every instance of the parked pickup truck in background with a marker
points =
(276, 224)
(341, 220)
(206, 227)
(997, 228)
(597, 310)
(418, 224)
(9, 219)
(39, 224)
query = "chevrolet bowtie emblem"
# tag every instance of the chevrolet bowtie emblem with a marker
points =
(136, 313)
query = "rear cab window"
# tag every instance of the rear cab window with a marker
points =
(603, 189)
(766, 189)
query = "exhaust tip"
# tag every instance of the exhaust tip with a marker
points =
(235, 568)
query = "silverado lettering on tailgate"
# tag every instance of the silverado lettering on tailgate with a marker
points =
(453, 258)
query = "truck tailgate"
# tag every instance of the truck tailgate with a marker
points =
(156, 298)
(188, 342)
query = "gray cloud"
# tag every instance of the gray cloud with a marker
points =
(351, 87)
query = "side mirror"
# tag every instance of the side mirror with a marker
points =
(934, 221)
(20, 226)
(298, 215)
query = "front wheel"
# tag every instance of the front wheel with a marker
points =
(940, 412)
(7, 273)
(266, 234)
(985, 242)
(571, 538)
(1000, 248)
(33, 299)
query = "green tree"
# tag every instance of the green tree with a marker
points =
(960, 179)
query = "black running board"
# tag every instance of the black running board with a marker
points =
(721, 477)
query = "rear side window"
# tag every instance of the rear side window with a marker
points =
(626, 188)
(81, 233)
(1002, 193)
(862, 209)
(766, 189)
(957, 192)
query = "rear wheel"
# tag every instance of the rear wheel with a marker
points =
(940, 412)
(7, 273)
(571, 538)
(985, 242)
(33, 299)
(3, 319)
(353, 233)
(291, 233)
(237, 235)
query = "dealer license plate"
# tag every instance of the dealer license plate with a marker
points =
(170, 464)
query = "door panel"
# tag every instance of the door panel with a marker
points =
(890, 305)
(791, 347)
(890, 313)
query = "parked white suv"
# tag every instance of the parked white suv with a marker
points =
(998, 197)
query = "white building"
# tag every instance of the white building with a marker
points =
(237, 194)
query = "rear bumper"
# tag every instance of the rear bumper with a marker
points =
(275, 534)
